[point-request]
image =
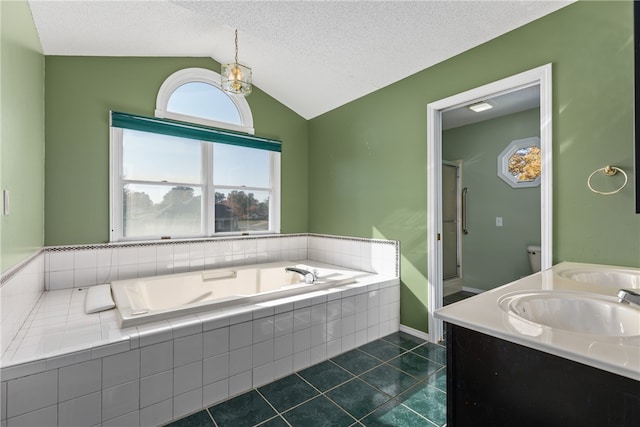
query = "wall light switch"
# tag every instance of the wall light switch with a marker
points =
(498, 221)
(5, 202)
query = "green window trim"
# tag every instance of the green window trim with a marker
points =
(192, 131)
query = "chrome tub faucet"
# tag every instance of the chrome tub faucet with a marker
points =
(629, 296)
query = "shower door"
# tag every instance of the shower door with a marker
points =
(450, 221)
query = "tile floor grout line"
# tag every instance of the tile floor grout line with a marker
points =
(215, 424)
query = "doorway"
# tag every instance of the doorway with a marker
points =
(541, 77)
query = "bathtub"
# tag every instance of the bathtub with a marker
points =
(148, 299)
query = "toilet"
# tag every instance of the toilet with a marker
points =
(534, 258)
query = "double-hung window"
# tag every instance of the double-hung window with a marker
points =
(173, 179)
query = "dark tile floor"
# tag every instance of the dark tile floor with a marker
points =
(458, 296)
(398, 380)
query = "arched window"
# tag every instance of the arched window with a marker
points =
(194, 170)
(194, 95)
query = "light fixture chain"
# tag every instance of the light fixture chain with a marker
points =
(236, 46)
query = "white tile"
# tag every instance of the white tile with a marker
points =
(80, 379)
(282, 367)
(283, 346)
(334, 348)
(185, 325)
(318, 334)
(373, 332)
(361, 337)
(23, 370)
(240, 383)
(120, 368)
(334, 310)
(187, 378)
(301, 318)
(373, 315)
(301, 360)
(348, 325)
(318, 354)
(348, 342)
(262, 353)
(106, 257)
(85, 258)
(146, 254)
(130, 419)
(3, 400)
(109, 349)
(62, 260)
(215, 368)
(361, 302)
(60, 280)
(155, 333)
(181, 254)
(128, 256)
(361, 321)
(240, 360)
(31, 393)
(261, 312)
(301, 340)
(334, 329)
(211, 321)
(263, 329)
(158, 414)
(318, 313)
(301, 303)
(283, 308)
(120, 400)
(240, 335)
(84, 277)
(40, 418)
(262, 375)
(215, 392)
(283, 323)
(187, 350)
(83, 411)
(164, 254)
(187, 403)
(156, 388)
(156, 358)
(240, 315)
(147, 269)
(216, 342)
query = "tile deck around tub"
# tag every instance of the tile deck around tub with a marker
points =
(398, 380)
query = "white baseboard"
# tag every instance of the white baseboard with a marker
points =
(414, 332)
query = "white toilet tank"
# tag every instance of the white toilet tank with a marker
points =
(534, 258)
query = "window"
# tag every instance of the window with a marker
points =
(178, 179)
(519, 164)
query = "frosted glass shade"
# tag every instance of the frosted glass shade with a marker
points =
(236, 78)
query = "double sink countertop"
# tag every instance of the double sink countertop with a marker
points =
(570, 310)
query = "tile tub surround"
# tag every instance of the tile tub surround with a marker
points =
(155, 373)
(374, 385)
(55, 268)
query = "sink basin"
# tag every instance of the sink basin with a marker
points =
(575, 312)
(614, 278)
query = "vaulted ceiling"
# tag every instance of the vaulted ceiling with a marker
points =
(312, 56)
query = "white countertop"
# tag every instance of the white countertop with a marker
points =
(482, 313)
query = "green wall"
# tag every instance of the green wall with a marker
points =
(22, 134)
(80, 92)
(493, 256)
(368, 159)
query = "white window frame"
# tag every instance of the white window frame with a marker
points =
(117, 181)
(192, 75)
(507, 153)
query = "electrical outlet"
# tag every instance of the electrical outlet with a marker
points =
(5, 202)
(498, 221)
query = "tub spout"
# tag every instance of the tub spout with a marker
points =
(629, 296)
(308, 276)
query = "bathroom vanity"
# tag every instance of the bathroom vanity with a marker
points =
(551, 349)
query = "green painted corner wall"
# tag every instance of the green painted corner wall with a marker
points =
(493, 256)
(368, 165)
(80, 92)
(22, 134)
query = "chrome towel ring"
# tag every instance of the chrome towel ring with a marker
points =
(608, 171)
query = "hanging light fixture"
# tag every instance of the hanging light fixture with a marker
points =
(236, 78)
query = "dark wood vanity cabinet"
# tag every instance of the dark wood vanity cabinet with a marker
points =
(493, 382)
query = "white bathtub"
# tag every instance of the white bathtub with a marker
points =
(149, 299)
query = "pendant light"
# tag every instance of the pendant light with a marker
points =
(236, 78)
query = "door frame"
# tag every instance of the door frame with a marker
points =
(538, 76)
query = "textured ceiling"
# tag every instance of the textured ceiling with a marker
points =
(312, 56)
